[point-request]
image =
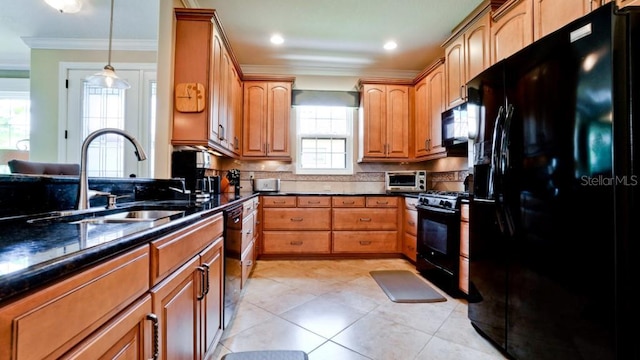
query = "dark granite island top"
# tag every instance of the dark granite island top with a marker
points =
(37, 253)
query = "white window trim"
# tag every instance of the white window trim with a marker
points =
(349, 149)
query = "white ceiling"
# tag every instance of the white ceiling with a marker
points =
(340, 37)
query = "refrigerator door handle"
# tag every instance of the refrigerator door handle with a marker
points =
(494, 153)
(507, 225)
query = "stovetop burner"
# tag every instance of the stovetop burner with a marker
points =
(443, 199)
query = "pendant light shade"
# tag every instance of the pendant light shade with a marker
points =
(65, 6)
(107, 78)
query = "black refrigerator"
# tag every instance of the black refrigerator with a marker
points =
(554, 210)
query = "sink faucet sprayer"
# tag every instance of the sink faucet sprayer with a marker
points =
(83, 186)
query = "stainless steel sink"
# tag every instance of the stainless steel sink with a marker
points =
(131, 216)
(110, 217)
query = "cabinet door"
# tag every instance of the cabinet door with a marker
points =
(476, 48)
(193, 41)
(550, 15)
(128, 336)
(454, 62)
(373, 123)
(176, 305)
(235, 123)
(216, 85)
(211, 261)
(279, 108)
(397, 121)
(512, 30)
(436, 105)
(422, 129)
(254, 119)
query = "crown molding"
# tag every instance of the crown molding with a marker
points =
(89, 44)
(325, 71)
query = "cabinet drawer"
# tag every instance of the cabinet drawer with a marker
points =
(411, 221)
(53, 320)
(410, 203)
(170, 252)
(365, 241)
(278, 201)
(463, 280)
(348, 201)
(464, 239)
(286, 242)
(382, 201)
(314, 201)
(248, 207)
(296, 219)
(248, 229)
(365, 219)
(246, 264)
(464, 212)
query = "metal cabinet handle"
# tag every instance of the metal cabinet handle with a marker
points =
(411, 223)
(313, 202)
(203, 281)
(206, 267)
(362, 242)
(348, 202)
(297, 219)
(156, 334)
(365, 219)
(295, 243)
(379, 202)
(279, 201)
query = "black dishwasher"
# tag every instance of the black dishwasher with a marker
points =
(232, 266)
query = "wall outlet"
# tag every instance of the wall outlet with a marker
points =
(251, 175)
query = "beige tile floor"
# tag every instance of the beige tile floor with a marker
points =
(334, 310)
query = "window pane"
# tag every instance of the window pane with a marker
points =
(104, 108)
(14, 123)
(324, 135)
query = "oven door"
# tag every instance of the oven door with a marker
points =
(438, 244)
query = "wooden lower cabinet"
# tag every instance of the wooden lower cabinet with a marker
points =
(366, 224)
(188, 301)
(50, 322)
(410, 227)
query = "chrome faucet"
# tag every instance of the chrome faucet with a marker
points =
(83, 186)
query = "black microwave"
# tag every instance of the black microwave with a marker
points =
(455, 126)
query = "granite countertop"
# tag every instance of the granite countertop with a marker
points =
(36, 253)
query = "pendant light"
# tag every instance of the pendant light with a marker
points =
(107, 78)
(65, 6)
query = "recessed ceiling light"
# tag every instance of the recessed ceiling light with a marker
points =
(390, 45)
(277, 39)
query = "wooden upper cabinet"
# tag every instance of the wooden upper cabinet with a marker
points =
(267, 108)
(512, 29)
(550, 15)
(203, 56)
(191, 65)
(384, 122)
(466, 55)
(428, 108)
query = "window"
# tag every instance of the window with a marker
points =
(324, 140)
(14, 121)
